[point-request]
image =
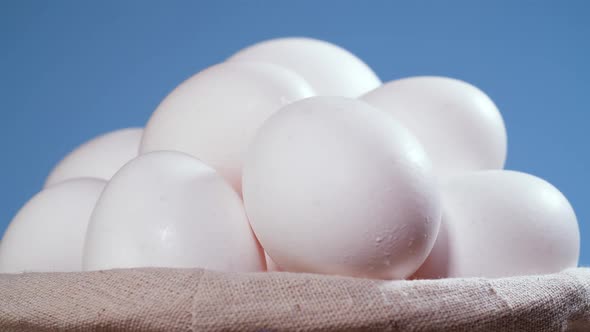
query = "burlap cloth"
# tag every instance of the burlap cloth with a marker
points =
(198, 300)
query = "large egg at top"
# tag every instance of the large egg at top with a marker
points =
(47, 234)
(335, 186)
(100, 157)
(503, 223)
(330, 69)
(214, 114)
(168, 209)
(459, 125)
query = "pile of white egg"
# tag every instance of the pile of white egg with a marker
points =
(292, 155)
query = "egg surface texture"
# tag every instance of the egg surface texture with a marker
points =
(99, 158)
(501, 224)
(168, 209)
(333, 185)
(330, 69)
(214, 114)
(437, 264)
(47, 234)
(271, 266)
(459, 126)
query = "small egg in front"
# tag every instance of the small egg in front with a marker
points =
(47, 234)
(168, 209)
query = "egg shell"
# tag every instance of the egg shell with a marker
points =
(502, 224)
(168, 209)
(271, 266)
(330, 69)
(99, 158)
(459, 125)
(437, 264)
(334, 186)
(214, 114)
(47, 234)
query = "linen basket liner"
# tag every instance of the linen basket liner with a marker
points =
(157, 299)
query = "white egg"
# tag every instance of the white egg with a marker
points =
(436, 265)
(271, 266)
(99, 158)
(332, 185)
(330, 69)
(458, 125)
(214, 114)
(168, 209)
(501, 224)
(47, 234)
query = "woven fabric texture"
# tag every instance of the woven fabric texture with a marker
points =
(154, 299)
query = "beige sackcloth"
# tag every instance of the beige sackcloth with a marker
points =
(155, 299)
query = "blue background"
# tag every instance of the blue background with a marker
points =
(70, 70)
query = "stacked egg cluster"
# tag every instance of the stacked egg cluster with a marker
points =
(292, 155)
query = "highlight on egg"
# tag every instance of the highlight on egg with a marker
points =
(214, 114)
(332, 185)
(47, 234)
(329, 69)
